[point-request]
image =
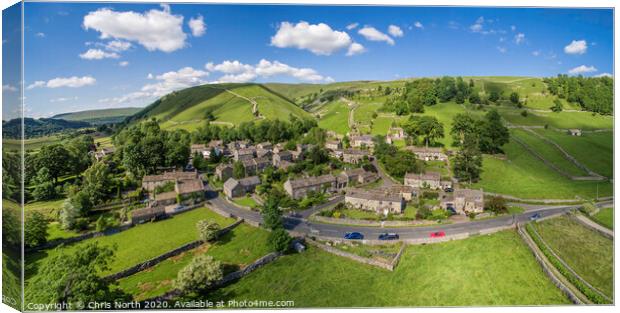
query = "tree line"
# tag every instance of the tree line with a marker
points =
(593, 94)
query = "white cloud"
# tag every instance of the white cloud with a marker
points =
(118, 45)
(536, 53)
(98, 54)
(576, 47)
(355, 48)
(352, 26)
(8, 87)
(604, 75)
(372, 34)
(72, 82)
(320, 38)
(477, 26)
(153, 29)
(417, 24)
(237, 72)
(229, 67)
(41, 35)
(63, 99)
(197, 25)
(519, 38)
(395, 31)
(502, 49)
(123, 63)
(513, 28)
(582, 69)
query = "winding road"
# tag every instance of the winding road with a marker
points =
(300, 224)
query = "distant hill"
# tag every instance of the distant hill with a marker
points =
(228, 104)
(96, 117)
(39, 127)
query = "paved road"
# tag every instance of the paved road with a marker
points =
(300, 224)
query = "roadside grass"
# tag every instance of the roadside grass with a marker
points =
(584, 250)
(357, 214)
(549, 152)
(235, 250)
(139, 243)
(246, 201)
(495, 269)
(594, 150)
(524, 176)
(335, 118)
(384, 253)
(605, 217)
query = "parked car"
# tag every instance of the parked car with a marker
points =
(449, 189)
(535, 217)
(353, 235)
(388, 236)
(438, 234)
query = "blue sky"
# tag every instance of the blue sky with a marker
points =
(83, 56)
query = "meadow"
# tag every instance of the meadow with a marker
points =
(139, 243)
(605, 217)
(235, 250)
(584, 250)
(493, 269)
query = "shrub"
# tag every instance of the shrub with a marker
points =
(497, 205)
(35, 229)
(101, 224)
(201, 273)
(279, 240)
(207, 230)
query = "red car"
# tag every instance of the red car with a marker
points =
(438, 234)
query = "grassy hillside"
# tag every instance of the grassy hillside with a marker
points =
(99, 116)
(230, 104)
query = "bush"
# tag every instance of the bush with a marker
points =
(588, 208)
(35, 229)
(497, 205)
(279, 240)
(207, 230)
(101, 224)
(524, 113)
(201, 273)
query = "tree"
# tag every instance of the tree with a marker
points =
(101, 224)
(475, 98)
(514, 97)
(271, 213)
(426, 126)
(55, 158)
(200, 274)
(279, 240)
(68, 214)
(44, 188)
(467, 164)
(494, 134)
(207, 230)
(35, 229)
(496, 204)
(97, 182)
(462, 124)
(238, 170)
(73, 278)
(494, 96)
(557, 106)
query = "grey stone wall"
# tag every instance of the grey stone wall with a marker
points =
(347, 221)
(388, 266)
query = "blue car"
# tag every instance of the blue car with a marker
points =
(388, 236)
(353, 235)
(535, 217)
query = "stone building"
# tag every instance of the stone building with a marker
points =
(431, 180)
(223, 171)
(239, 187)
(574, 132)
(150, 182)
(381, 201)
(280, 156)
(299, 188)
(464, 201)
(362, 141)
(333, 144)
(428, 154)
(244, 153)
(147, 214)
(354, 156)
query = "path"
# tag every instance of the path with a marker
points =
(353, 106)
(595, 225)
(387, 179)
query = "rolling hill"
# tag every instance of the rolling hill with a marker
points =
(38, 127)
(95, 117)
(229, 104)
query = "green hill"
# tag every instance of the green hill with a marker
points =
(229, 104)
(104, 116)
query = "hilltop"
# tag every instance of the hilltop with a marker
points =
(227, 104)
(96, 117)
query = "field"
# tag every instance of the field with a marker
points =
(335, 116)
(99, 116)
(239, 247)
(562, 120)
(32, 144)
(524, 176)
(485, 270)
(594, 150)
(141, 242)
(605, 217)
(584, 250)
(245, 201)
(47, 208)
(549, 152)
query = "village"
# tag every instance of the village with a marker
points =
(359, 183)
